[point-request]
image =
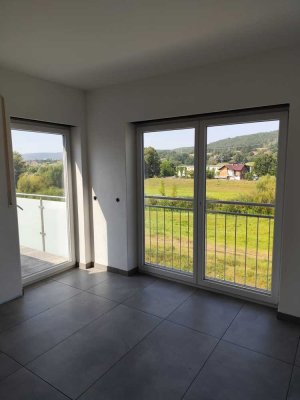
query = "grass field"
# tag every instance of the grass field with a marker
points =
(215, 188)
(238, 248)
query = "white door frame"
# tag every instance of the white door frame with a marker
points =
(240, 118)
(189, 123)
(38, 127)
(200, 124)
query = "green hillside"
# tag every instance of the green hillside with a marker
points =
(253, 141)
(256, 140)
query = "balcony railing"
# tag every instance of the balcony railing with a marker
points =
(42, 221)
(238, 239)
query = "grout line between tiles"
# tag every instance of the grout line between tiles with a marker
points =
(22, 366)
(143, 338)
(256, 351)
(210, 354)
(39, 313)
(162, 319)
(68, 337)
(117, 301)
(17, 362)
(292, 373)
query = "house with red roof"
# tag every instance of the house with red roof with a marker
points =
(233, 171)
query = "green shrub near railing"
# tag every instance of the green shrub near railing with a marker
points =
(215, 205)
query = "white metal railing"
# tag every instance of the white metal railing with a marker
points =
(238, 239)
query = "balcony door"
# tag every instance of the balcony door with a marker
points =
(211, 201)
(168, 186)
(43, 191)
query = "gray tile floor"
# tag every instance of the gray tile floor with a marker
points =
(97, 335)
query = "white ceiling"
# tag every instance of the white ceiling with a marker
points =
(93, 43)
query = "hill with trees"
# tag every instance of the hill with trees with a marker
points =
(253, 141)
(259, 148)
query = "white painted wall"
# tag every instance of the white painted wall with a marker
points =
(269, 79)
(36, 99)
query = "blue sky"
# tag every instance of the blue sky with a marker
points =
(34, 142)
(168, 140)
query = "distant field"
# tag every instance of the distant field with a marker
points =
(238, 248)
(216, 189)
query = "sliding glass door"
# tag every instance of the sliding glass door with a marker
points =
(43, 190)
(168, 185)
(212, 201)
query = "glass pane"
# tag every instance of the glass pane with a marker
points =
(240, 200)
(41, 197)
(168, 203)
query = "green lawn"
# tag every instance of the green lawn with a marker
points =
(233, 253)
(215, 188)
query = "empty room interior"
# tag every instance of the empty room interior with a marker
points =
(149, 199)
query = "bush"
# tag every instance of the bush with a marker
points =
(167, 168)
(30, 184)
(264, 192)
(249, 176)
(210, 174)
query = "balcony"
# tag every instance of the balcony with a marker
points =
(43, 232)
(238, 239)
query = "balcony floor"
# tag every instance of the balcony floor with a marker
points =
(96, 335)
(33, 261)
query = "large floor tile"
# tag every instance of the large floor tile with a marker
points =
(161, 367)
(7, 366)
(160, 298)
(234, 372)
(37, 335)
(37, 298)
(207, 312)
(257, 328)
(82, 279)
(23, 385)
(120, 288)
(76, 363)
(294, 392)
(298, 356)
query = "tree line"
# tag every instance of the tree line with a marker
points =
(45, 177)
(265, 163)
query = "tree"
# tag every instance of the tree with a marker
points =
(210, 173)
(152, 162)
(30, 184)
(224, 156)
(52, 174)
(249, 176)
(238, 158)
(266, 189)
(19, 165)
(265, 164)
(191, 174)
(211, 160)
(167, 168)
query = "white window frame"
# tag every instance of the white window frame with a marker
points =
(156, 269)
(64, 131)
(200, 124)
(240, 118)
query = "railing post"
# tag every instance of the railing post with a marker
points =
(42, 224)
